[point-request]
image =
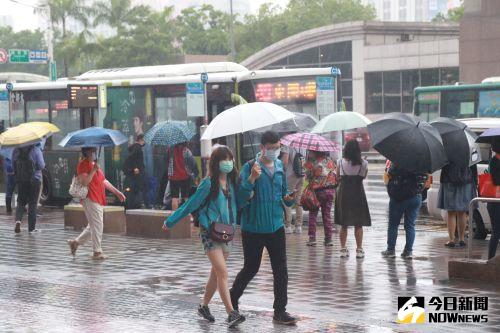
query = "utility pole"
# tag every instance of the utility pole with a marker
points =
(50, 44)
(231, 31)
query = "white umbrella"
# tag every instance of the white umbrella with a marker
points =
(245, 117)
(341, 121)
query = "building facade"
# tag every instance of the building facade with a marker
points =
(410, 10)
(381, 62)
(480, 40)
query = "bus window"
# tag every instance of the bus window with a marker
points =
(489, 103)
(37, 110)
(17, 108)
(427, 107)
(170, 103)
(68, 120)
(459, 104)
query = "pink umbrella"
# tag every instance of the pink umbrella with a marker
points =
(310, 142)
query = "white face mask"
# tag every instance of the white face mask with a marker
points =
(272, 154)
(94, 156)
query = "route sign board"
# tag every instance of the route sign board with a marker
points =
(19, 56)
(38, 57)
(82, 96)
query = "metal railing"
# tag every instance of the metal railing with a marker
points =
(472, 206)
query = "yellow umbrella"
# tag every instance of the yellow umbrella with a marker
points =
(27, 133)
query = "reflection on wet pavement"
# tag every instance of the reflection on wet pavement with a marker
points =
(154, 285)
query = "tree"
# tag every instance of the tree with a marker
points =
(453, 15)
(26, 39)
(60, 12)
(146, 40)
(116, 13)
(272, 24)
(203, 30)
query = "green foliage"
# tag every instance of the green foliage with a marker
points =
(26, 39)
(453, 15)
(142, 36)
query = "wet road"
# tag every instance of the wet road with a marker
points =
(154, 285)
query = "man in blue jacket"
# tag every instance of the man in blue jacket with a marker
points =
(262, 193)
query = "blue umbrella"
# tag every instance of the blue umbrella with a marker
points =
(93, 137)
(170, 133)
(489, 136)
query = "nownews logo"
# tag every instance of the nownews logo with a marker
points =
(411, 310)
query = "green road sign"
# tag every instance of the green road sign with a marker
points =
(19, 56)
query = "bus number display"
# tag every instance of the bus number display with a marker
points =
(301, 90)
(82, 96)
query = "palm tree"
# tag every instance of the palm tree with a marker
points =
(60, 12)
(115, 13)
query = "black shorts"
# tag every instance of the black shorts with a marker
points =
(182, 187)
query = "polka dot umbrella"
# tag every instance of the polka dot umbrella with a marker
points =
(170, 133)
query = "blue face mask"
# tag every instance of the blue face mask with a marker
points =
(226, 166)
(272, 154)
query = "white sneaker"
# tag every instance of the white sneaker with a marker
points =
(298, 230)
(288, 230)
(344, 253)
(360, 253)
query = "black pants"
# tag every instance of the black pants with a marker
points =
(137, 193)
(253, 245)
(494, 211)
(27, 194)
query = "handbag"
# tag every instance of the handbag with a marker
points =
(487, 188)
(309, 201)
(77, 190)
(221, 232)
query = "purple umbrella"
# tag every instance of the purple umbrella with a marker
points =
(489, 136)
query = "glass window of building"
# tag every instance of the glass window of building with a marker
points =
(309, 56)
(429, 77)
(409, 81)
(336, 52)
(392, 91)
(449, 75)
(373, 92)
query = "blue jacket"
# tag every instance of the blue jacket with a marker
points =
(212, 211)
(261, 203)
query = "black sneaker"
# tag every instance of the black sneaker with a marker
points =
(234, 302)
(234, 319)
(17, 229)
(204, 311)
(284, 318)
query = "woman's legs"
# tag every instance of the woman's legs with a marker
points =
(451, 221)
(343, 236)
(462, 224)
(218, 260)
(358, 234)
(210, 287)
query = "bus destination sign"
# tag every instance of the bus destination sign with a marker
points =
(82, 96)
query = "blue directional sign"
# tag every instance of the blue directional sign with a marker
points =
(38, 57)
(9, 86)
(204, 77)
(4, 96)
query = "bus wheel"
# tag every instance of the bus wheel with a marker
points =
(479, 230)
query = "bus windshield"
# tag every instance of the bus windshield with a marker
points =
(458, 102)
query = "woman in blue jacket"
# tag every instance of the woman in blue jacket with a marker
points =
(214, 201)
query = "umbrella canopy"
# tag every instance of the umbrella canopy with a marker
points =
(301, 122)
(245, 117)
(27, 134)
(93, 137)
(458, 140)
(409, 142)
(341, 121)
(170, 133)
(309, 141)
(489, 135)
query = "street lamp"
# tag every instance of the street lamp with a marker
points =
(231, 31)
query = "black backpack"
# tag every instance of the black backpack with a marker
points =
(403, 186)
(298, 165)
(24, 167)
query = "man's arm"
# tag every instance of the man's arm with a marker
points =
(39, 161)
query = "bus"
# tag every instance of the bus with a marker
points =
(458, 101)
(132, 100)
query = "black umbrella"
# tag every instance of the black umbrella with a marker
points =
(302, 122)
(459, 141)
(409, 142)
